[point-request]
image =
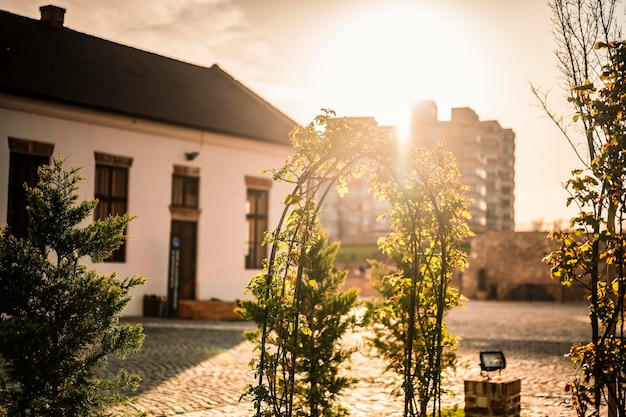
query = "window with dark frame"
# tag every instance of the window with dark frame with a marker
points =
(111, 190)
(257, 207)
(24, 161)
(185, 191)
(22, 170)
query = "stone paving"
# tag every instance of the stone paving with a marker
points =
(199, 368)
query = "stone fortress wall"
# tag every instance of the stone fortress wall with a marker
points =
(506, 265)
(503, 265)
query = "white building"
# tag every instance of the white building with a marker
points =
(181, 147)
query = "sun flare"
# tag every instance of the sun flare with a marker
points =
(387, 59)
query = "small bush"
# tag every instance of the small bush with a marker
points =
(59, 320)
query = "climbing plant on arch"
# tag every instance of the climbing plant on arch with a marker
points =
(427, 216)
(428, 213)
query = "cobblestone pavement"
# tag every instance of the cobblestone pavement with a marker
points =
(199, 368)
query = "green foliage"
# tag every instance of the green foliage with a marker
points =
(427, 215)
(59, 320)
(391, 318)
(316, 353)
(356, 253)
(592, 254)
(327, 314)
(453, 412)
(295, 303)
(328, 154)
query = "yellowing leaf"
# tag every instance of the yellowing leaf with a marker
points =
(615, 287)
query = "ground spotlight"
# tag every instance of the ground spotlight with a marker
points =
(491, 361)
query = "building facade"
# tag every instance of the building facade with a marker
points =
(181, 147)
(485, 156)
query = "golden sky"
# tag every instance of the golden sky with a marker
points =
(367, 58)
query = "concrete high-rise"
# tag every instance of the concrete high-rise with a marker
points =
(484, 153)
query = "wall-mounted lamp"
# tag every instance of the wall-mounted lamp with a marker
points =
(190, 156)
(491, 361)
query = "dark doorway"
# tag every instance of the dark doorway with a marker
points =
(22, 170)
(531, 292)
(187, 238)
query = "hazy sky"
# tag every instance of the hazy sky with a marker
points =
(367, 58)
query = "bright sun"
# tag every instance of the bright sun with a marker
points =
(386, 60)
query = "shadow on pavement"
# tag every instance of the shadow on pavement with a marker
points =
(519, 348)
(173, 346)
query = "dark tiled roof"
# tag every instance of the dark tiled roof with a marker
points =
(65, 66)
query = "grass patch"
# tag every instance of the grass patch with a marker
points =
(357, 253)
(453, 412)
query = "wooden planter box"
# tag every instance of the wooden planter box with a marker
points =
(208, 310)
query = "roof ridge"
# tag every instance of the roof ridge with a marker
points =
(100, 38)
(88, 71)
(223, 73)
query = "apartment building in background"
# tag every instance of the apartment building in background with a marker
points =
(354, 218)
(484, 153)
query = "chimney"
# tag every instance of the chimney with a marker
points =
(52, 16)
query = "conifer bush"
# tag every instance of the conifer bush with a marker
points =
(59, 320)
(318, 353)
(328, 314)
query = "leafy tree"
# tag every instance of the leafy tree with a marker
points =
(326, 317)
(330, 152)
(592, 255)
(59, 320)
(428, 217)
